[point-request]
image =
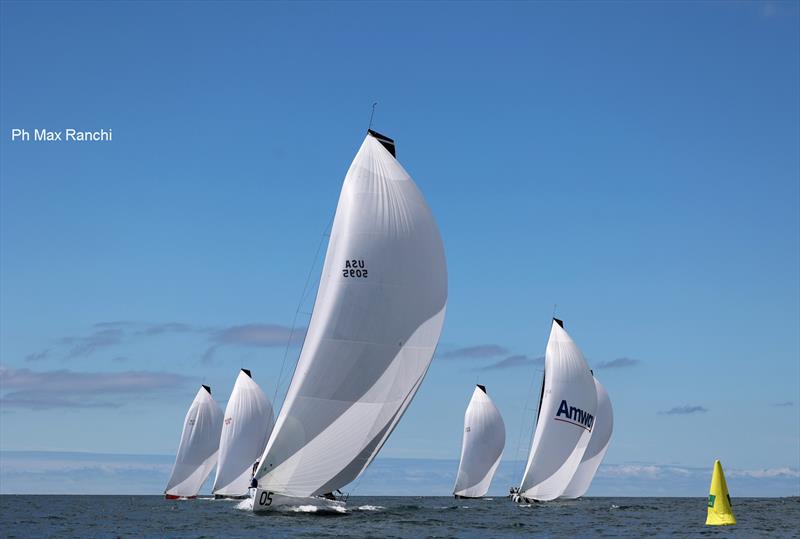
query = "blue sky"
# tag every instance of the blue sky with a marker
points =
(635, 164)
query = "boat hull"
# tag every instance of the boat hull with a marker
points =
(173, 497)
(265, 501)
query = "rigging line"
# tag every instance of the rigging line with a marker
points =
(371, 116)
(522, 429)
(303, 296)
(522, 421)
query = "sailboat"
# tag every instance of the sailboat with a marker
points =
(374, 328)
(482, 447)
(573, 409)
(720, 512)
(197, 451)
(245, 430)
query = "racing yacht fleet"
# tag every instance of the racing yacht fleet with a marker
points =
(374, 328)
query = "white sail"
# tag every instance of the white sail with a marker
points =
(566, 417)
(245, 430)
(598, 445)
(375, 325)
(482, 447)
(197, 452)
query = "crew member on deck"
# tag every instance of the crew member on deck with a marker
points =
(253, 480)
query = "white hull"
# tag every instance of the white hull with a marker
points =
(264, 501)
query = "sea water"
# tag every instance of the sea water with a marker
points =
(376, 516)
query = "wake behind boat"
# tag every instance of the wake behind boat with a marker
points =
(375, 324)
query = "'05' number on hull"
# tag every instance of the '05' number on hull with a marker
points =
(265, 498)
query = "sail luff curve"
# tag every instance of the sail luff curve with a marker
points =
(375, 325)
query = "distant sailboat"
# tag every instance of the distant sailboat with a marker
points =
(373, 331)
(482, 447)
(567, 419)
(245, 430)
(197, 452)
(720, 512)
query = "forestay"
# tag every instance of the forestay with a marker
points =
(598, 445)
(376, 322)
(245, 430)
(482, 447)
(566, 418)
(197, 452)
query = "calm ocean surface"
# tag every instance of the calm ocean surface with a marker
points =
(377, 516)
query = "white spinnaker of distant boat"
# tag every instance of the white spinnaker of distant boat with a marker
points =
(482, 447)
(375, 325)
(245, 430)
(197, 452)
(559, 442)
(598, 445)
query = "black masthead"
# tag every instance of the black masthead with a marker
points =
(482, 388)
(247, 372)
(385, 141)
(559, 322)
(207, 388)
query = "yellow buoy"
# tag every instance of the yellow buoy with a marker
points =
(719, 501)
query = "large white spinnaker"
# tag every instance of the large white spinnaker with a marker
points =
(375, 325)
(245, 430)
(197, 452)
(598, 445)
(482, 447)
(566, 416)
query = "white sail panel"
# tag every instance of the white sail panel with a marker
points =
(375, 325)
(245, 430)
(598, 445)
(482, 447)
(197, 452)
(566, 417)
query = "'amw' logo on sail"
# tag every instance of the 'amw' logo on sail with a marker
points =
(574, 416)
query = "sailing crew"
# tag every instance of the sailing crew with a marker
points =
(253, 480)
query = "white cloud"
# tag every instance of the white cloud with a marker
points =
(40, 390)
(765, 473)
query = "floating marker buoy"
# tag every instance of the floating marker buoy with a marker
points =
(719, 501)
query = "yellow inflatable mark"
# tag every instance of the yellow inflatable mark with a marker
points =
(719, 501)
